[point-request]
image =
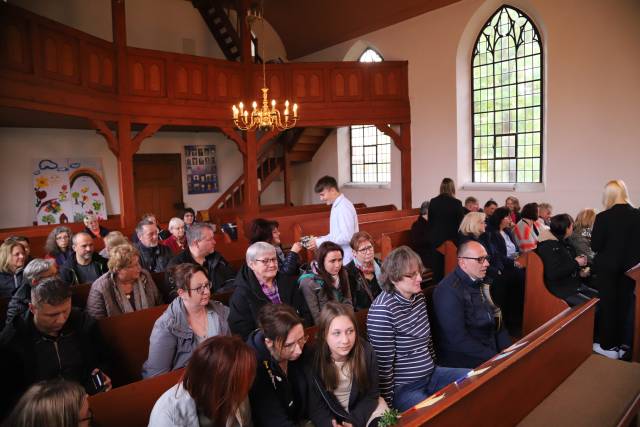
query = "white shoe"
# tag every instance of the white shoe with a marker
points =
(611, 354)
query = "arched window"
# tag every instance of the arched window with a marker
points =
(370, 148)
(507, 105)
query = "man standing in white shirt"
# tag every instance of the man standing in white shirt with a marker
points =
(343, 222)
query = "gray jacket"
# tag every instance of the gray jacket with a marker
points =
(172, 339)
(176, 408)
(106, 300)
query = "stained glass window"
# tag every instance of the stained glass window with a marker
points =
(507, 104)
(370, 148)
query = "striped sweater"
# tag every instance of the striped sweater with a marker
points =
(399, 332)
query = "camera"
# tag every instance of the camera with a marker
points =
(305, 241)
(98, 381)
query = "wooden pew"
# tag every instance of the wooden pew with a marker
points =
(127, 339)
(634, 273)
(539, 377)
(131, 405)
(450, 252)
(540, 305)
(391, 240)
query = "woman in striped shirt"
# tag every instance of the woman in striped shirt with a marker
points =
(398, 328)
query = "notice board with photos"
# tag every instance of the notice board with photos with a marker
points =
(202, 172)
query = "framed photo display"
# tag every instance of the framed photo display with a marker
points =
(202, 172)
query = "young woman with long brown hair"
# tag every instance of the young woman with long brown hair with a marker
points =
(214, 388)
(344, 376)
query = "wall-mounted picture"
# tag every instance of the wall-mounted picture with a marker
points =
(67, 189)
(202, 173)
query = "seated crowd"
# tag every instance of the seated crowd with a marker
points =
(260, 370)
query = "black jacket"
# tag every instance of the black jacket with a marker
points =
(155, 259)
(10, 282)
(363, 292)
(445, 216)
(324, 406)
(69, 271)
(248, 298)
(496, 248)
(560, 267)
(28, 356)
(220, 273)
(19, 302)
(420, 240)
(288, 263)
(277, 399)
(616, 239)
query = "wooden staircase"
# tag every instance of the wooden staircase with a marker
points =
(304, 143)
(217, 19)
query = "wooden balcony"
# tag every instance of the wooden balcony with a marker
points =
(49, 67)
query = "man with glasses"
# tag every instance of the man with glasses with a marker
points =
(469, 326)
(201, 250)
(258, 283)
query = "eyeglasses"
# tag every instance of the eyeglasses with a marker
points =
(479, 260)
(413, 275)
(366, 249)
(200, 289)
(301, 342)
(267, 261)
(62, 237)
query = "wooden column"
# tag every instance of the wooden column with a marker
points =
(405, 164)
(119, 28)
(287, 178)
(245, 31)
(125, 174)
(251, 174)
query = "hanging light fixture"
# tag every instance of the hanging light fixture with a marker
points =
(267, 116)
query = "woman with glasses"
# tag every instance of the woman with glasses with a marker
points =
(344, 378)
(364, 271)
(258, 283)
(190, 319)
(327, 281)
(58, 245)
(399, 331)
(54, 403)
(125, 288)
(280, 392)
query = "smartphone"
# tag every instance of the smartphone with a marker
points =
(98, 381)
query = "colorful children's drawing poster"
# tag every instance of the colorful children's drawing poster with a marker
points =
(67, 189)
(202, 173)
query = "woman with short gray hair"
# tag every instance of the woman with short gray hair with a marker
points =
(177, 242)
(258, 283)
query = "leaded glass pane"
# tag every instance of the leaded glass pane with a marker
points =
(507, 100)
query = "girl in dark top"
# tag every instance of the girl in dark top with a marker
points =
(343, 381)
(264, 230)
(328, 281)
(58, 245)
(363, 271)
(615, 237)
(279, 393)
(564, 271)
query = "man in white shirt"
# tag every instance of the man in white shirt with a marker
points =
(343, 222)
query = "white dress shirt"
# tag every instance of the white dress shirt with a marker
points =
(343, 223)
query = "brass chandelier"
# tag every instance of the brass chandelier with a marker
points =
(266, 117)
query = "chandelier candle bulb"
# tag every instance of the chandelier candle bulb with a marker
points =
(295, 111)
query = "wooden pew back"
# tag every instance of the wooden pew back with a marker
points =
(634, 274)
(450, 252)
(127, 338)
(523, 375)
(131, 405)
(392, 240)
(540, 305)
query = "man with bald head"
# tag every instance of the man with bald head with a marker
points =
(469, 326)
(86, 265)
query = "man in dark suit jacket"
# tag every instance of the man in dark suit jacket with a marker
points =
(445, 215)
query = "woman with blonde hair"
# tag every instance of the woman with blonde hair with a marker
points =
(473, 226)
(513, 204)
(125, 288)
(615, 237)
(111, 240)
(55, 403)
(580, 239)
(12, 261)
